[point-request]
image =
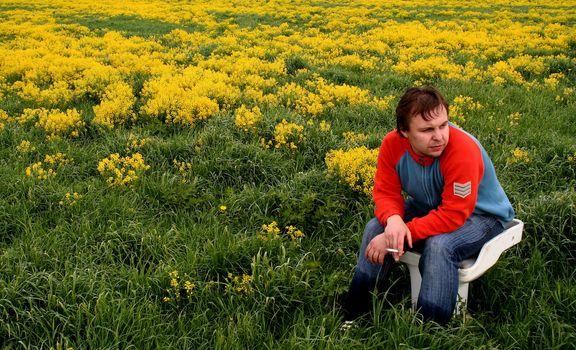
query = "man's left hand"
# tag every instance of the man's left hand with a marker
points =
(376, 250)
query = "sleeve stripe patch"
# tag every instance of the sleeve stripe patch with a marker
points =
(462, 190)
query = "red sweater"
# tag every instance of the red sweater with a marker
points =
(449, 188)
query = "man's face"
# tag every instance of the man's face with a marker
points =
(429, 137)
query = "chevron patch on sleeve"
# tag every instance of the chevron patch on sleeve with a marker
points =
(462, 190)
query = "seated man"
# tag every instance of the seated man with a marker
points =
(453, 204)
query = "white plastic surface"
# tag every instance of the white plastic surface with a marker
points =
(470, 269)
(490, 252)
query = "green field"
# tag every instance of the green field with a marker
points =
(185, 256)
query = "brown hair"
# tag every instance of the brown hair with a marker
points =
(418, 101)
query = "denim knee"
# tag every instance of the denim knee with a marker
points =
(372, 229)
(436, 247)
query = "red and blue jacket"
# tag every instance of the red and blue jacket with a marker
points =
(450, 188)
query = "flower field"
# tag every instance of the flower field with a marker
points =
(194, 174)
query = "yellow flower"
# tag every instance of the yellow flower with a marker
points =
(324, 126)
(135, 143)
(461, 106)
(56, 123)
(514, 118)
(356, 167)
(70, 198)
(430, 67)
(57, 159)
(116, 106)
(120, 171)
(189, 287)
(46, 170)
(240, 285)
(553, 80)
(25, 147)
(294, 233)
(246, 119)
(354, 138)
(273, 232)
(518, 156)
(286, 135)
(382, 103)
(270, 231)
(38, 171)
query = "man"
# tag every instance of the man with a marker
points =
(453, 204)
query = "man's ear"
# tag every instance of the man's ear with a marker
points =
(403, 133)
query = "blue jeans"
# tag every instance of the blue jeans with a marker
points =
(441, 255)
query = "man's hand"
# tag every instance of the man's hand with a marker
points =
(392, 238)
(395, 232)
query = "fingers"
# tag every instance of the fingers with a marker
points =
(397, 241)
(372, 256)
(375, 255)
(387, 243)
(409, 238)
(369, 252)
(399, 244)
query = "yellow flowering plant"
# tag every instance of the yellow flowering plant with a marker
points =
(38, 171)
(4, 116)
(122, 171)
(354, 138)
(355, 167)
(286, 136)
(269, 231)
(179, 289)
(272, 232)
(70, 198)
(55, 123)
(116, 107)
(135, 143)
(58, 158)
(239, 285)
(324, 126)
(566, 96)
(25, 146)
(184, 169)
(177, 105)
(518, 156)
(46, 169)
(246, 119)
(461, 107)
(514, 119)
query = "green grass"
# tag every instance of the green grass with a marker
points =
(94, 274)
(127, 25)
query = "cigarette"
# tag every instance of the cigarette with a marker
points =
(392, 250)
